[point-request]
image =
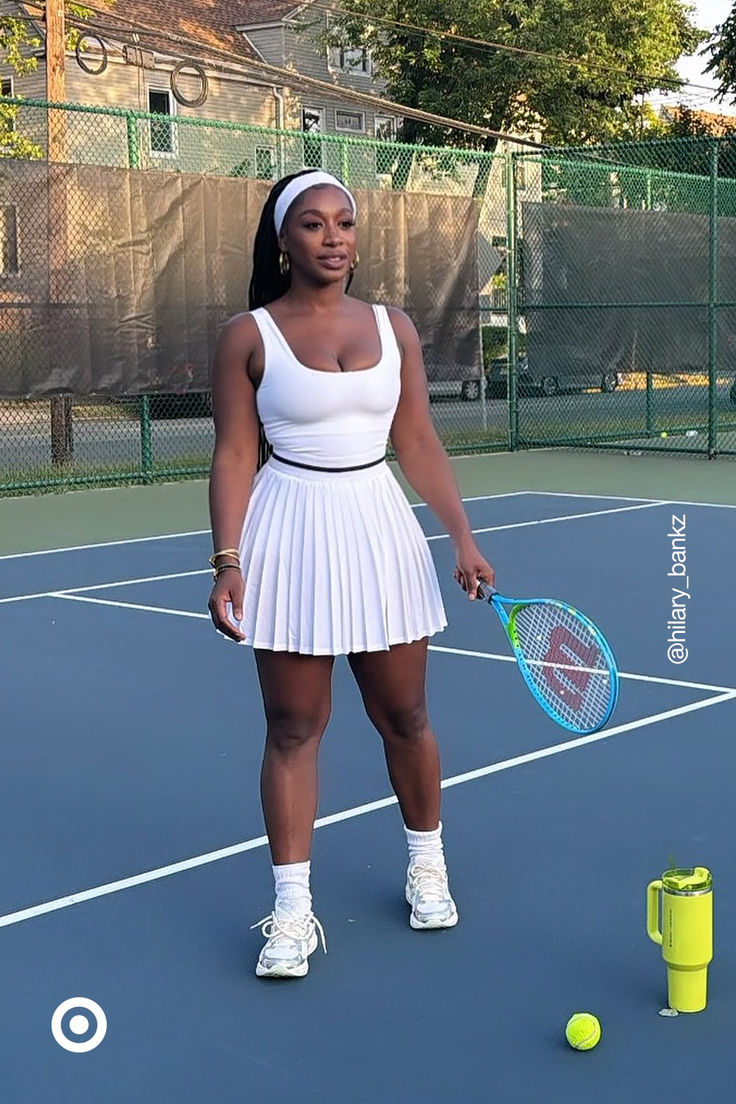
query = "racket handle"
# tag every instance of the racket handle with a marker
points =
(485, 591)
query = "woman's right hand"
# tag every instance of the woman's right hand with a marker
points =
(229, 588)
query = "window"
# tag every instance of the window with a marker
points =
(385, 128)
(349, 59)
(350, 120)
(313, 123)
(7, 122)
(162, 131)
(9, 240)
(265, 163)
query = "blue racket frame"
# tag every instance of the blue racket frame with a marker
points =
(499, 603)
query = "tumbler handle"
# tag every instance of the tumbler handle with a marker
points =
(653, 891)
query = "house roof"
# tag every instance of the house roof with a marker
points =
(206, 24)
(717, 125)
(265, 11)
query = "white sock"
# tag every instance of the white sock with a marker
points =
(425, 846)
(292, 888)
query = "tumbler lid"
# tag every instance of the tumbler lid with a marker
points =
(686, 880)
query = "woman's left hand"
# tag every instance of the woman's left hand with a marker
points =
(472, 568)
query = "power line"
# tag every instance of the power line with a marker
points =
(285, 77)
(659, 80)
(281, 76)
(487, 45)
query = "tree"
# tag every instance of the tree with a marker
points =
(579, 69)
(18, 45)
(722, 48)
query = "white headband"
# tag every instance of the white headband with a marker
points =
(300, 184)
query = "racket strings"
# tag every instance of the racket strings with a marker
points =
(564, 659)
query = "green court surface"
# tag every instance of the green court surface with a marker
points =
(91, 516)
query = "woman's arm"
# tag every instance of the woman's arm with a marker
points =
(423, 459)
(234, 460)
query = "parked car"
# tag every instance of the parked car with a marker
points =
(497, 378)
(529, 382)
(466, 389)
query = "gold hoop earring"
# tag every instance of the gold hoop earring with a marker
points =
(283, 262)
(356, 262)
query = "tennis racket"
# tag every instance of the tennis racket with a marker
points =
(564, 658)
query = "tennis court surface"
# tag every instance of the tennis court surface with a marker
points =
(135, 860)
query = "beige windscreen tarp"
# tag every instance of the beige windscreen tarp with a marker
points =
(118, 281)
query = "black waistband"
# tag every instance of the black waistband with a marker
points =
(313, 467)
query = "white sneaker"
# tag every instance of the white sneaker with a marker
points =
(428, 893)
(289, 942)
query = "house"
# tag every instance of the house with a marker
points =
(189, 60)
(699, 123)
(244, 88)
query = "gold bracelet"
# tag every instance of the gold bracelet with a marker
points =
(234, 552)
(223, 567)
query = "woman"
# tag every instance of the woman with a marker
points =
(318, 552)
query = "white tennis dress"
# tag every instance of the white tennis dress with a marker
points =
(334, 561)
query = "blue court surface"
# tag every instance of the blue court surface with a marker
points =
(135, 861)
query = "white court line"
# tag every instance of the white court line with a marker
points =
(622, 674)
(101, 544)
(432, 647)
(105, 586)
(131, 605)
(550, 521)
(347, 814)
(201, 532)
(439, 536)
(581, 494)
(625, 498)
(414, 506)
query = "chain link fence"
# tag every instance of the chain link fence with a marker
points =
(126, 240)
(625, 276)
(566, 297)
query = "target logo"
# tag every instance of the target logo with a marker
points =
(79, 1024)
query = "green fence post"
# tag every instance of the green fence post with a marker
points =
(134, 150)
(650, 378)
(712, 302)
(134, 162)
(146, 439)
(345, 162)
(512, 322)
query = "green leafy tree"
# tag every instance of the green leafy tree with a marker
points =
(606, 57)
(722, 50)
(18, 45)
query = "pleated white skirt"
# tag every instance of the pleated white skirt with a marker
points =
(335, 562)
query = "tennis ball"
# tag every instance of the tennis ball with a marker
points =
(583, 1031)
(663, 434)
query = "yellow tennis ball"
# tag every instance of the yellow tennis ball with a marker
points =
(583, 1031)
(664, 434)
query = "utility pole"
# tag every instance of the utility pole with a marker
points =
(61, 406)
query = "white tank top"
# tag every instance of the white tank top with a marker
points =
(327, 419)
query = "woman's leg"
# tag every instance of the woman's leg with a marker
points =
(296, 698)
(296, 693)
(392, 684)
